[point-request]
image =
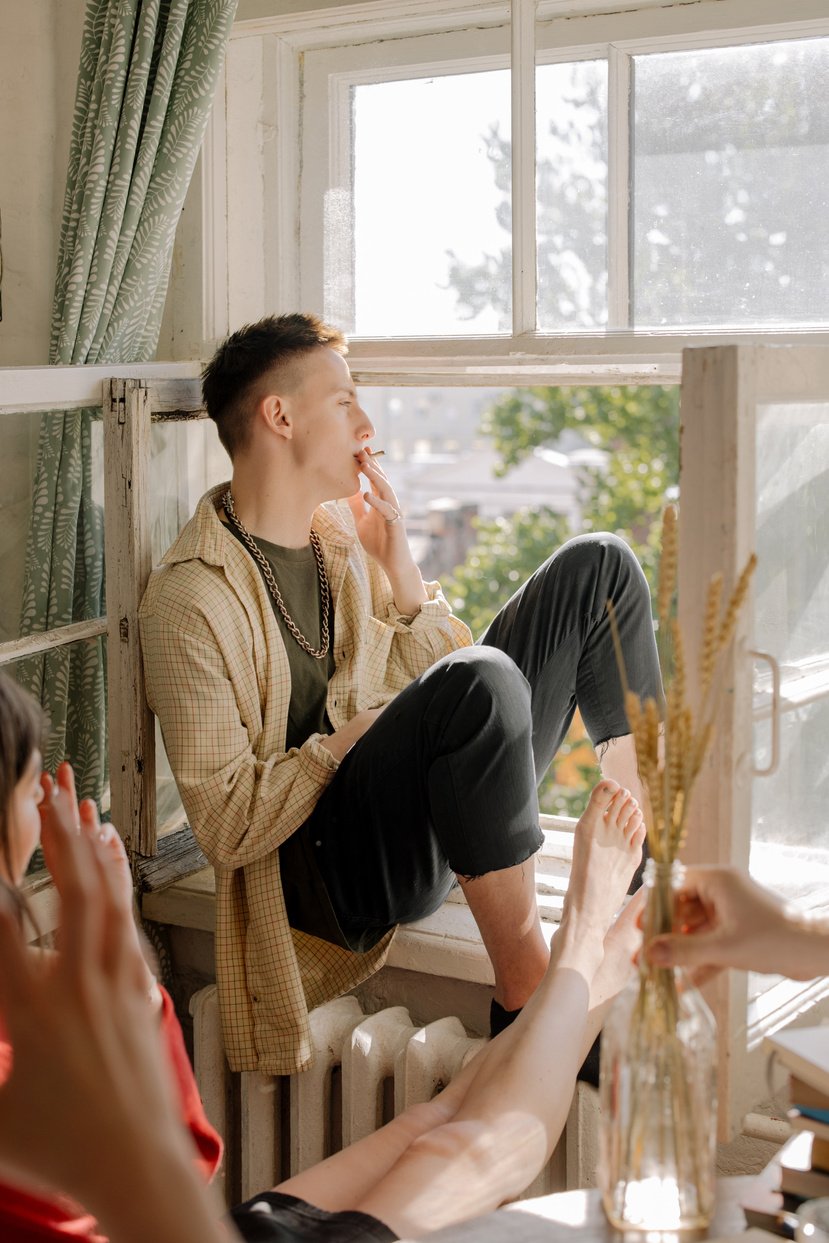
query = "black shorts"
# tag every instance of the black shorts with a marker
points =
(274, 1217)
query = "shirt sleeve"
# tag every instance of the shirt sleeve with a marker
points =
(417, 641)
(240, 807)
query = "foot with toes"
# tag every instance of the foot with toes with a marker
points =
(607, 849)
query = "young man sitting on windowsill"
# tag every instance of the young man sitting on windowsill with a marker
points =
(342, 749)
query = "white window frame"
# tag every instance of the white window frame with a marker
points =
(721, 392)
(280, 52)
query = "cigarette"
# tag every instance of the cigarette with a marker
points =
(376, 452)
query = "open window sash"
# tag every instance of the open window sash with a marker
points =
(755, 476)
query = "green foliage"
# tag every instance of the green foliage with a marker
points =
(505, 554)
(637, 427)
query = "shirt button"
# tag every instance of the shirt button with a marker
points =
(317, 843)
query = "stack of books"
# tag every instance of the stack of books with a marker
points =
(800, 1171)
(805, 1053)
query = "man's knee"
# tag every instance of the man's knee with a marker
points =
(598, 547)
(493, 681)
(607, 562)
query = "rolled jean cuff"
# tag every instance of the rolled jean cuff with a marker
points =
(522, 845)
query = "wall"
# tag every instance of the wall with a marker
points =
(39, 48)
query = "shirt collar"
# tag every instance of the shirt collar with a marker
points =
(205, 537)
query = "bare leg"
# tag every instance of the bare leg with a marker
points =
(620, 945)
(516, 1103)
(504, 903)
(506, 911)
(486, 1136)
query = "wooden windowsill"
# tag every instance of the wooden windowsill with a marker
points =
(446, 944)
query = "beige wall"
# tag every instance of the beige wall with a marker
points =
(39, 48)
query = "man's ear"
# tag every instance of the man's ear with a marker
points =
(274, 413)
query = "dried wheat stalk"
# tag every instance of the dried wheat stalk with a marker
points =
(669, 770)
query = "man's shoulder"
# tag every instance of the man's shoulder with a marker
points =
(192, 575)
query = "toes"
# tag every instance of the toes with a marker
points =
(637, 837)
(635, 823)
(619, 808)
(603, 795)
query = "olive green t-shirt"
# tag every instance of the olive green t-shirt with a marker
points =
(296, 574)
(295, 569)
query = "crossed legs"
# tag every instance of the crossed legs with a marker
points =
(485, 1137)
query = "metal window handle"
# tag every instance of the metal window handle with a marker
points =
(774, 760)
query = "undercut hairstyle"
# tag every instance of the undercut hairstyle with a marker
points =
(21, 734)
(231, 381)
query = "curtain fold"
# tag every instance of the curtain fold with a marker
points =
(146, 81)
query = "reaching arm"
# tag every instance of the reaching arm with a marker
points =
(725, 919)
(89, 1106)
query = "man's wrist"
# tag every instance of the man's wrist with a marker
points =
(408, 592)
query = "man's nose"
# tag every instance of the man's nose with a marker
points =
(366, 426)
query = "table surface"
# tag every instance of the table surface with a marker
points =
(557, 1218)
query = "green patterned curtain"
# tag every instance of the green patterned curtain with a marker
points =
(146, 82)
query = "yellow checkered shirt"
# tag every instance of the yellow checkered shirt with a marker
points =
(218, 680)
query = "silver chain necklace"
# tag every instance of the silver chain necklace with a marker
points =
(318, 653)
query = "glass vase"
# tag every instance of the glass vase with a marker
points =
(658, 1089)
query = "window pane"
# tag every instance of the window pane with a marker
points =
(70, 684)
(731, 185)
(70, 446)
(432, 240)
(493, 481)
(187, 459)
(788, 836)
(571, 186)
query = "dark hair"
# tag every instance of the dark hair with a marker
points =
(21, 733)
(230, 378)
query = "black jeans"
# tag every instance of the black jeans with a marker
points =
(444, 782)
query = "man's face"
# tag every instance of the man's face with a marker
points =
(328, 425)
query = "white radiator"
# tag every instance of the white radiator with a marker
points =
(367, 1069)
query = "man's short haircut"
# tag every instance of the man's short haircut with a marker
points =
(231, 378)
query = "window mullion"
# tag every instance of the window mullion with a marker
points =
(522, 66)
(619, 183)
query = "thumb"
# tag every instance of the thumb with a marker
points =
(678, 950)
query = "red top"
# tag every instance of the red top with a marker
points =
(26, 1218)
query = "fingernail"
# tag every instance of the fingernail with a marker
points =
(659, 954)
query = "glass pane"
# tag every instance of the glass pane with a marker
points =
(788, 847)
(432, 204)
(571, 186)
(731, 185)
(187, 460)
(70, 684)
(792, 583)
(70, 446)
(493, 481)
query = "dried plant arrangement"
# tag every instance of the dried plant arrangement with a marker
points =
(673, 740)
(659, 1046)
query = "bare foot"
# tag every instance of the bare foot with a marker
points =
(621, 946)
(606, 851)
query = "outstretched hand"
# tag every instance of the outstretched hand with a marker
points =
(60, 812)
(86, 1046)
(60, 807)
(725, 919)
